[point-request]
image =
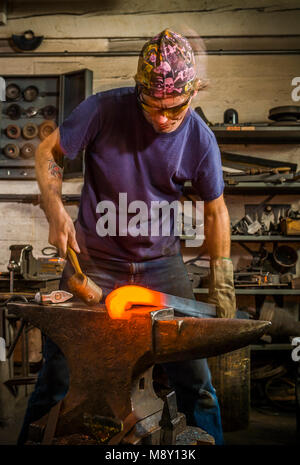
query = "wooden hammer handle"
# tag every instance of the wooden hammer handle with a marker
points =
(74, 260)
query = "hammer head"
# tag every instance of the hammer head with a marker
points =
(84, 288)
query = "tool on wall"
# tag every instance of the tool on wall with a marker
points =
(34, 106)
(27, 41)
(231, 116)
(30, 131)
(287, 113)
(46, 128)
(13, 131)
(269, 219)
(250, 224)
(15, 112)
(244, 168)
(11, 151)
(13, 92)
(27, 151)
(275, 268)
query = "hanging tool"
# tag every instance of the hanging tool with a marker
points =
(253, 171)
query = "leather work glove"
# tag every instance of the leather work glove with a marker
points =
(221, 288)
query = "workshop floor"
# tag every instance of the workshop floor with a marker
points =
(265, 428)
(272, 428)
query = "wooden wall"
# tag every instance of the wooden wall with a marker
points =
(106, 37)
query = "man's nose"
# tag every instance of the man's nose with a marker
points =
(160, 118)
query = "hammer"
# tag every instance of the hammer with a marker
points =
(80, 284)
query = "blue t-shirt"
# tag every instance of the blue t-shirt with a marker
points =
(125, 155)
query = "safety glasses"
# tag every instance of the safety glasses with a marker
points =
(171, 113)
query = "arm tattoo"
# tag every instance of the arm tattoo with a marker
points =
(55, 170)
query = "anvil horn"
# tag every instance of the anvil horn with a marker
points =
(192, 338)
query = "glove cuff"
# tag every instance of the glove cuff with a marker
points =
(221, 287)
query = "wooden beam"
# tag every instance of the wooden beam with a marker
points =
(27, 8)
(228, 22)
(135, 44)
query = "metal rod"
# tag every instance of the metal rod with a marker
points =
(35, 198)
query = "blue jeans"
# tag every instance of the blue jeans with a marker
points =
(196, 397)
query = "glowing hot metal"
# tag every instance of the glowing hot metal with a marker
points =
(119, 301)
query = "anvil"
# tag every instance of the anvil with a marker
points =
(109, 359)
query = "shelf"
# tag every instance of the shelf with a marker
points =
(263, 188)
(256, 291)
(255, 188)
(241, 238)
(256, 134)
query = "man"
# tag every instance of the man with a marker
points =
(145, 142)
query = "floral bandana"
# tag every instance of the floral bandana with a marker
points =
(166, 65)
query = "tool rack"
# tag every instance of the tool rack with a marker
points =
(36, 101)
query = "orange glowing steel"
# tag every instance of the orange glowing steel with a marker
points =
(123, 298)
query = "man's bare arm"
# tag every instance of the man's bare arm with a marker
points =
(49, 173)
(217, 228)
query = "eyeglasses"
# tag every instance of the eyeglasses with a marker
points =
(172, 112)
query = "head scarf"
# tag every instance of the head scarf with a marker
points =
(166, 66)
